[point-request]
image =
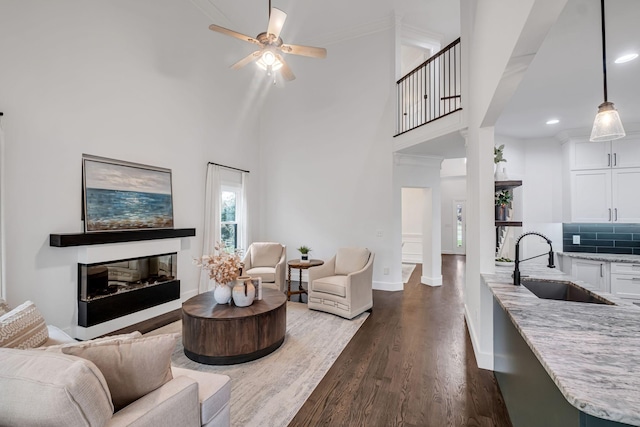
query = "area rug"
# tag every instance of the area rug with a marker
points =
(270, 391)
(407, 269)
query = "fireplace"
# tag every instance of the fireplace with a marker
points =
(108, 290)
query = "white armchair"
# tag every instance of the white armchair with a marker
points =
(268, 261)
(343, 285)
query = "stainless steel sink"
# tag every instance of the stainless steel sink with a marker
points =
(562, 291)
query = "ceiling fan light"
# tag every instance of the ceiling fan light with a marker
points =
(607, 125)
(269, 58)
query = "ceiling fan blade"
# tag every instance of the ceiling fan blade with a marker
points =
(314, 52)
(285, 70)
(276, 22)
(235, 34)
(247, 59)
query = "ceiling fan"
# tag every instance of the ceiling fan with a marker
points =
(268, 56)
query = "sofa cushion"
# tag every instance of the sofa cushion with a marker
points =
(132, 368)
(268, 274)
(23, 327)
(265, 254)
(334, 285)
(214, 391)
(51, 389)
(349, 260)
(4, 308)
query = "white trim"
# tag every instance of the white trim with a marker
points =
(431, 281)
(118, 251)
(353, 32)
(483, 360)
(414, 36)
(413, 160)
(388, 286)
(124, 321)
(413, 257)
(448, 252)
(443, 126)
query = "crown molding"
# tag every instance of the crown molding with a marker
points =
(354, 32)
(411, 35)
(211, 10)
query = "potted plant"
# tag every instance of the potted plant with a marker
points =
(498, 157)
(503, 200)
(304, 253)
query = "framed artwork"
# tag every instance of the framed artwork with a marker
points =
(257, 283)
(120, 195)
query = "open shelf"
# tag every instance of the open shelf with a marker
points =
(507, 185)
(99, 238)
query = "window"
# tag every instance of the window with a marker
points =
(230, 207)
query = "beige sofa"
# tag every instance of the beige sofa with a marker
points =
(268, 261)
(48, 388)
(343, 285)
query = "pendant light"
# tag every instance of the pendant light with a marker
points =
(607, 125)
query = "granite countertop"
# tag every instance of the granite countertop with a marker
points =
(590, 351)
(602, 257)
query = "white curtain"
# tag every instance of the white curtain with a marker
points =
(2, 204)
(243, 240)
(212, 202)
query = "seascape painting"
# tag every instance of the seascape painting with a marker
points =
(125, 196)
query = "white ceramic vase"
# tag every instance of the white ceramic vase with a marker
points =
(222, 294)
(243, 292)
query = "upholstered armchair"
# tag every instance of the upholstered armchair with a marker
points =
(343, 284)
(268, 261)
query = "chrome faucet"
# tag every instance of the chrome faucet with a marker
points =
(516, 271)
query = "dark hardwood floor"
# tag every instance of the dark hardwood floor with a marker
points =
(410, 364)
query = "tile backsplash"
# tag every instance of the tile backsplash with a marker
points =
(602, 238)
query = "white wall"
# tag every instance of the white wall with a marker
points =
(453, 182)
(500, 38)
(326, 149)
(142, 81)
(538, 203)
(413, 204)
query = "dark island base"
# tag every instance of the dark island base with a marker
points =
(232, 360)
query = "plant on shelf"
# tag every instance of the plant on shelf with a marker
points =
(304, 253)
(502, 200)
(498, 153)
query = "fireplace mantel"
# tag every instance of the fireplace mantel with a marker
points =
(63, 240)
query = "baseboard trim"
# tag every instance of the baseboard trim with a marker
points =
(483, 360)
(431, 281)
(412, 258)
(388, 286)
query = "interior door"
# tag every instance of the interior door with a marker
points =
(459, 227)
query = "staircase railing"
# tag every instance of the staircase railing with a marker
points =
(431, 91)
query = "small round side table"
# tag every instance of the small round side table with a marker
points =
(296, 263)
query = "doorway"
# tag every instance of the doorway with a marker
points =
(459, 227)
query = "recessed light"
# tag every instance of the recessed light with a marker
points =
(553, 121)
(626, 58)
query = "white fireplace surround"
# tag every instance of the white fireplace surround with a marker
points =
(119, 251)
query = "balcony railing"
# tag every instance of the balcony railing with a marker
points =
(431, 90)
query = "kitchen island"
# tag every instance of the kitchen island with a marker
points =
(564, 363)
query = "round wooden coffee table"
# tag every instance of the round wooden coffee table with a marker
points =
(222, 334)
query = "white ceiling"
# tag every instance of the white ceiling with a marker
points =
(564, 80)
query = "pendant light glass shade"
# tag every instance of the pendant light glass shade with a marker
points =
(607, 126)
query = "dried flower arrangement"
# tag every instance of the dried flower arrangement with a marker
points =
(223, 267)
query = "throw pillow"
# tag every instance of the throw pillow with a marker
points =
(349, 260)
(132, 368)
(122, 337)
(23, 327)
(4, 308)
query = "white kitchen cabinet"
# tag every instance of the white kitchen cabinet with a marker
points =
(591, 196)
(605, 195)
(595, 274)
(624, 196)
(621, 153)
(625, 280)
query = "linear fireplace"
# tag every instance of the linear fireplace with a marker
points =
(107, 290)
